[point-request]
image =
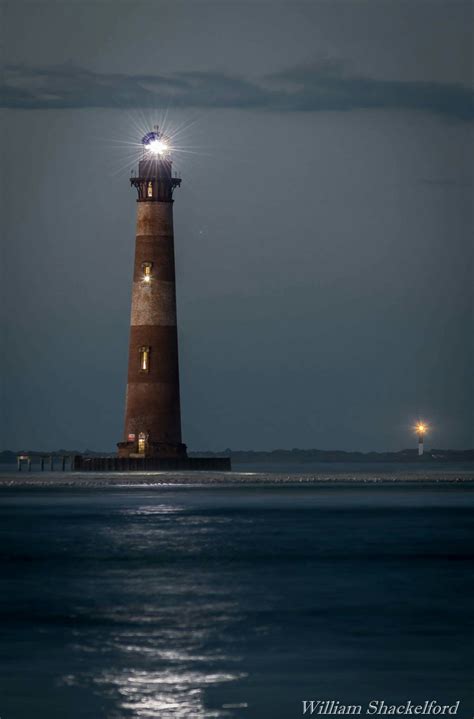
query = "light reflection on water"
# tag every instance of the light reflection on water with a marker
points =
(175, 689)
(167, 694)
(230, 604)
(178, 649)
(154, 509)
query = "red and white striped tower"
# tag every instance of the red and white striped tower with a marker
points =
(152, 414)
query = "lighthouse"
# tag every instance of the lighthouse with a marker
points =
(152, 433)
(152, 406)
(421, 431)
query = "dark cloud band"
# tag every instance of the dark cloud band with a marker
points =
(308, 89)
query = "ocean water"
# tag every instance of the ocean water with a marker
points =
(192, 601)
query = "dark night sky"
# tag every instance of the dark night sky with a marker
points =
(323, 229)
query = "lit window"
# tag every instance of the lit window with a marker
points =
(141, 443)
(146, 266)
(149, 190)
(144, 359)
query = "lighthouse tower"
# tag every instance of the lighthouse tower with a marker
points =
(152, 413)
(421, 431)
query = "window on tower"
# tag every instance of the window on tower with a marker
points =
(146, 267)
(144, 359)
(149, 189)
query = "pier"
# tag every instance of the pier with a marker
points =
(58, 462)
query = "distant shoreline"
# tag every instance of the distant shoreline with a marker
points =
(290, 457)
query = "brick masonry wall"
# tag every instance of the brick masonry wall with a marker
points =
(153, 402)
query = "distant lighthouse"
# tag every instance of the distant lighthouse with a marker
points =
(153, 412)
(421, 431)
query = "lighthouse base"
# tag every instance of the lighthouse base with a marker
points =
(139, 463)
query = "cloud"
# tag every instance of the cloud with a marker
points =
(328, 86)
(311, 88)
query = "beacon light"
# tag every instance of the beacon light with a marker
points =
(420, 429)
(155, 143)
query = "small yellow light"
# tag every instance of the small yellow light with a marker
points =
(144, 358)
(147, 271)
